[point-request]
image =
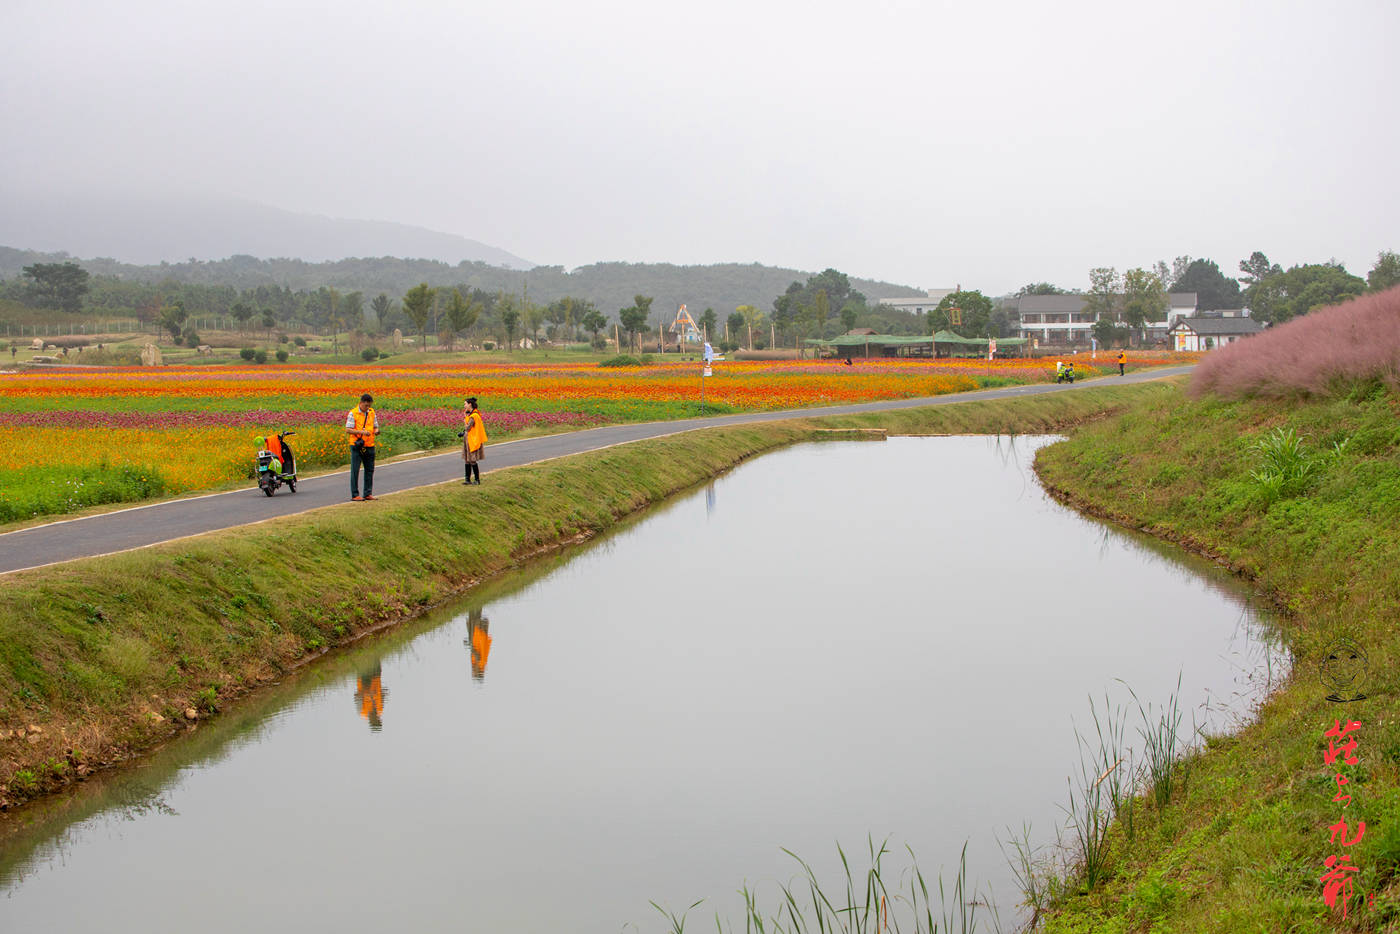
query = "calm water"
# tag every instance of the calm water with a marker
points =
(834, 641)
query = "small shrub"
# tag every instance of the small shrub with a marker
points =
(369, 353)
(488, 345)
(299, 341)
(260, 356)
(622, 359)
(282, 356)
(247, 353)
(1286, 469)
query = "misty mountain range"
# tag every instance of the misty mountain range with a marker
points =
(396, 257)
(155, 229)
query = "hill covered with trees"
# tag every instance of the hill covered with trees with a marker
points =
(610, 287)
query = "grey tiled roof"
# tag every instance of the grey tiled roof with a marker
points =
(1208, 327)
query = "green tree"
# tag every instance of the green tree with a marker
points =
(268, 321)
(734, 325)
(634, 321)
(973, 308)
(507, 306)
(381, 306)
(1261, 294)
(352, 310)
(1304, 288)
(418, 304)
(173, 317)
(534, 317)
(242, 313)
(593, 321)
(333, 316)
(1144, 299)
(753, 319)
(1386, 273)
(461, 314)
(59, 285)
(849, 313)
(708, 320)
(634, 318)
(1214, 290)
(821, 310)
(1101, 300)
(1039, 288)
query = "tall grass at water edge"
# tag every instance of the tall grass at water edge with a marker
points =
(1327, 352)
(870, 904)
(1104, 796)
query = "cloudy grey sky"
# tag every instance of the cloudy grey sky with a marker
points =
(925, 143)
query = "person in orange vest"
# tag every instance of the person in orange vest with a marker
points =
(362, 425)
(369, 697)
(478, 642)
(1122, 359)
(473, 440)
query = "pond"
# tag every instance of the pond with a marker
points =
(832, 643)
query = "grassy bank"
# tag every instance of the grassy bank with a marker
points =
(1242, 843)
(107, 656)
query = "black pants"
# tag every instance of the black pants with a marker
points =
(1120, 369)
(358, 456)
(473, 469)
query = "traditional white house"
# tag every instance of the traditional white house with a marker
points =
(1179, 305)
(917, 305)
(1207, 333)
(1065, 319)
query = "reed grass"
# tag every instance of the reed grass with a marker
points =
(1161, 744)
(1102, 784)
(871, 903)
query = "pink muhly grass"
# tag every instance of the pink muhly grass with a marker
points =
(1319, 354)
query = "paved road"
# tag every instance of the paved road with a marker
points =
(139, 526)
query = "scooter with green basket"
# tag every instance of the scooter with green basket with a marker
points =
(276, 464)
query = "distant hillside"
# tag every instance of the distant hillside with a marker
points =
(162, 228)
(610, 286)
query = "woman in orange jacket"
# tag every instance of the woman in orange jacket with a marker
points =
(473, 440)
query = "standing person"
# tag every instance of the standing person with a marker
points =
(362, 425)
(473, 440)
(1122, 359)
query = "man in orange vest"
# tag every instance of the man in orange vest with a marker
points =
(1122, 359)
(362, 424)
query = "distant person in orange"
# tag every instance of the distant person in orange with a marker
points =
(1122, 359)
(478, 640)
(473, 440)
(369, 696)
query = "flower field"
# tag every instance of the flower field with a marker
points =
(81, 436)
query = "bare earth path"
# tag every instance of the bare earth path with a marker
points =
(139, 526)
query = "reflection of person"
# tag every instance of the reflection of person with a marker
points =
(362, 425)
(473, 440)
(1122, 359)
(478, 640)
(369, 697)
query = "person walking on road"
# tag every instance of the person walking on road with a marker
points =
(362, 425)
(1122, 359)
(473, 440)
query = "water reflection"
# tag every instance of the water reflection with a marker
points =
(478, 641)
(956, 601)
(369, 697)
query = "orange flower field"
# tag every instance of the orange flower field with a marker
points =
(192, 428)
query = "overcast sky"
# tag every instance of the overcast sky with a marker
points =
(926, 143)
